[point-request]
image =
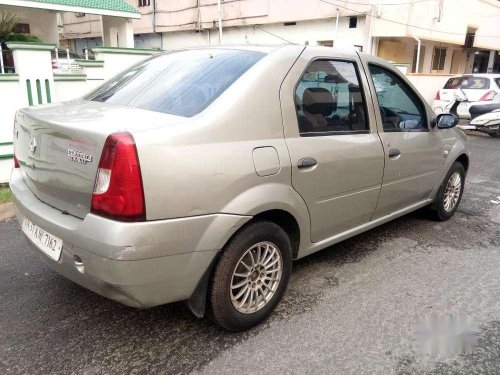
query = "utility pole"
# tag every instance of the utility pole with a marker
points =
(336, 26)
(220, 20)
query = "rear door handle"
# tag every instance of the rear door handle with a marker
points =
(306, 163)
(394, 152)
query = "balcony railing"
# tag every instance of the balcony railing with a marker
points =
(64, 61)
(6, 61)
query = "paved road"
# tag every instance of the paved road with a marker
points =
(352, 308)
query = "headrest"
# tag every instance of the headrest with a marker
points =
(317, 100)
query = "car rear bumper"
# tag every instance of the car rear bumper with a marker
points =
(138, 264)
(140, 284)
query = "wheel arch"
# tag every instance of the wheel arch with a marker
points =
(456, 151)
(279, 203)
(464, 160)
(286, 209)
(198, 301)
(287, 222)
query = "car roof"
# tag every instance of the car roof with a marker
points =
(266, 48)
(484, 75)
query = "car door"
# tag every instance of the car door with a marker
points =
(413, 148)
(330, 131)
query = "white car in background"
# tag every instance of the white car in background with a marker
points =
(479, 89)
(65, 62)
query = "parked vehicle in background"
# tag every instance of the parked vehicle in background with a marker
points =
(65, 62)
(200, 174)
(480, 89)
(484, 119)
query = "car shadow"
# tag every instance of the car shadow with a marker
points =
(167, 338)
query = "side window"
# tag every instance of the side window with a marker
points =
(400, 107)
(329, 99)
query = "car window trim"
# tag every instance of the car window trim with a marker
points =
(422, 105)
(425, 130)
(333, 132)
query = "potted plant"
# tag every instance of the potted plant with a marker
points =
(8, 23)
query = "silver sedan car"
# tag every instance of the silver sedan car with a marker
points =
(199, 175)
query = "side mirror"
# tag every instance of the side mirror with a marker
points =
(446, 120)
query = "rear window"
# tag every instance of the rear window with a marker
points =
(180, 83)
(63, 55)
(468, 82)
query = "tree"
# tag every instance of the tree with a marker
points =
(8, 21)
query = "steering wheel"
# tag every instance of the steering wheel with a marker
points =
(383, 114)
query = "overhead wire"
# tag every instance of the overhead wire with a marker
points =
(275, 35)
(398, 22)
(375, 2)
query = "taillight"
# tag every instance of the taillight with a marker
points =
(55, 64)
(438, 95)
(16, 162)
(118, 192)
(488, 96)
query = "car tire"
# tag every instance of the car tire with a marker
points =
(449, 194)
(494, 135)
(260, 253)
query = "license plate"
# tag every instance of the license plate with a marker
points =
(48, 243)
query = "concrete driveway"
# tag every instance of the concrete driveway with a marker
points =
(353, 308)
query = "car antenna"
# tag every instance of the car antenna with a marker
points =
(277, 36)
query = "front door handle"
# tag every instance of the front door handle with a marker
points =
(306, 163)
(394, 152)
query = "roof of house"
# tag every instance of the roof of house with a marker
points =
(108, 7)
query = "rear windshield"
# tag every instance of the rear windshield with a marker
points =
(63, 55)
(180, 83)
(468, 82)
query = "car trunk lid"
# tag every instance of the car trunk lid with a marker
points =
(59, 147)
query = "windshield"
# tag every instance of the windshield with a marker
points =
(468, 83)
(180, 83)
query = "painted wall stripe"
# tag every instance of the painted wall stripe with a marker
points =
(39, 91)
(47, 91)
(30, 95)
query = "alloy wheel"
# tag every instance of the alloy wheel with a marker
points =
(452, 192)
(256, 277)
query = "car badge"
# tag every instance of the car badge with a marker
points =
(33, 144)
(79, 156)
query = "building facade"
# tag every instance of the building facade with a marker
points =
(186, 23)
(426, 37)
(454, 36)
